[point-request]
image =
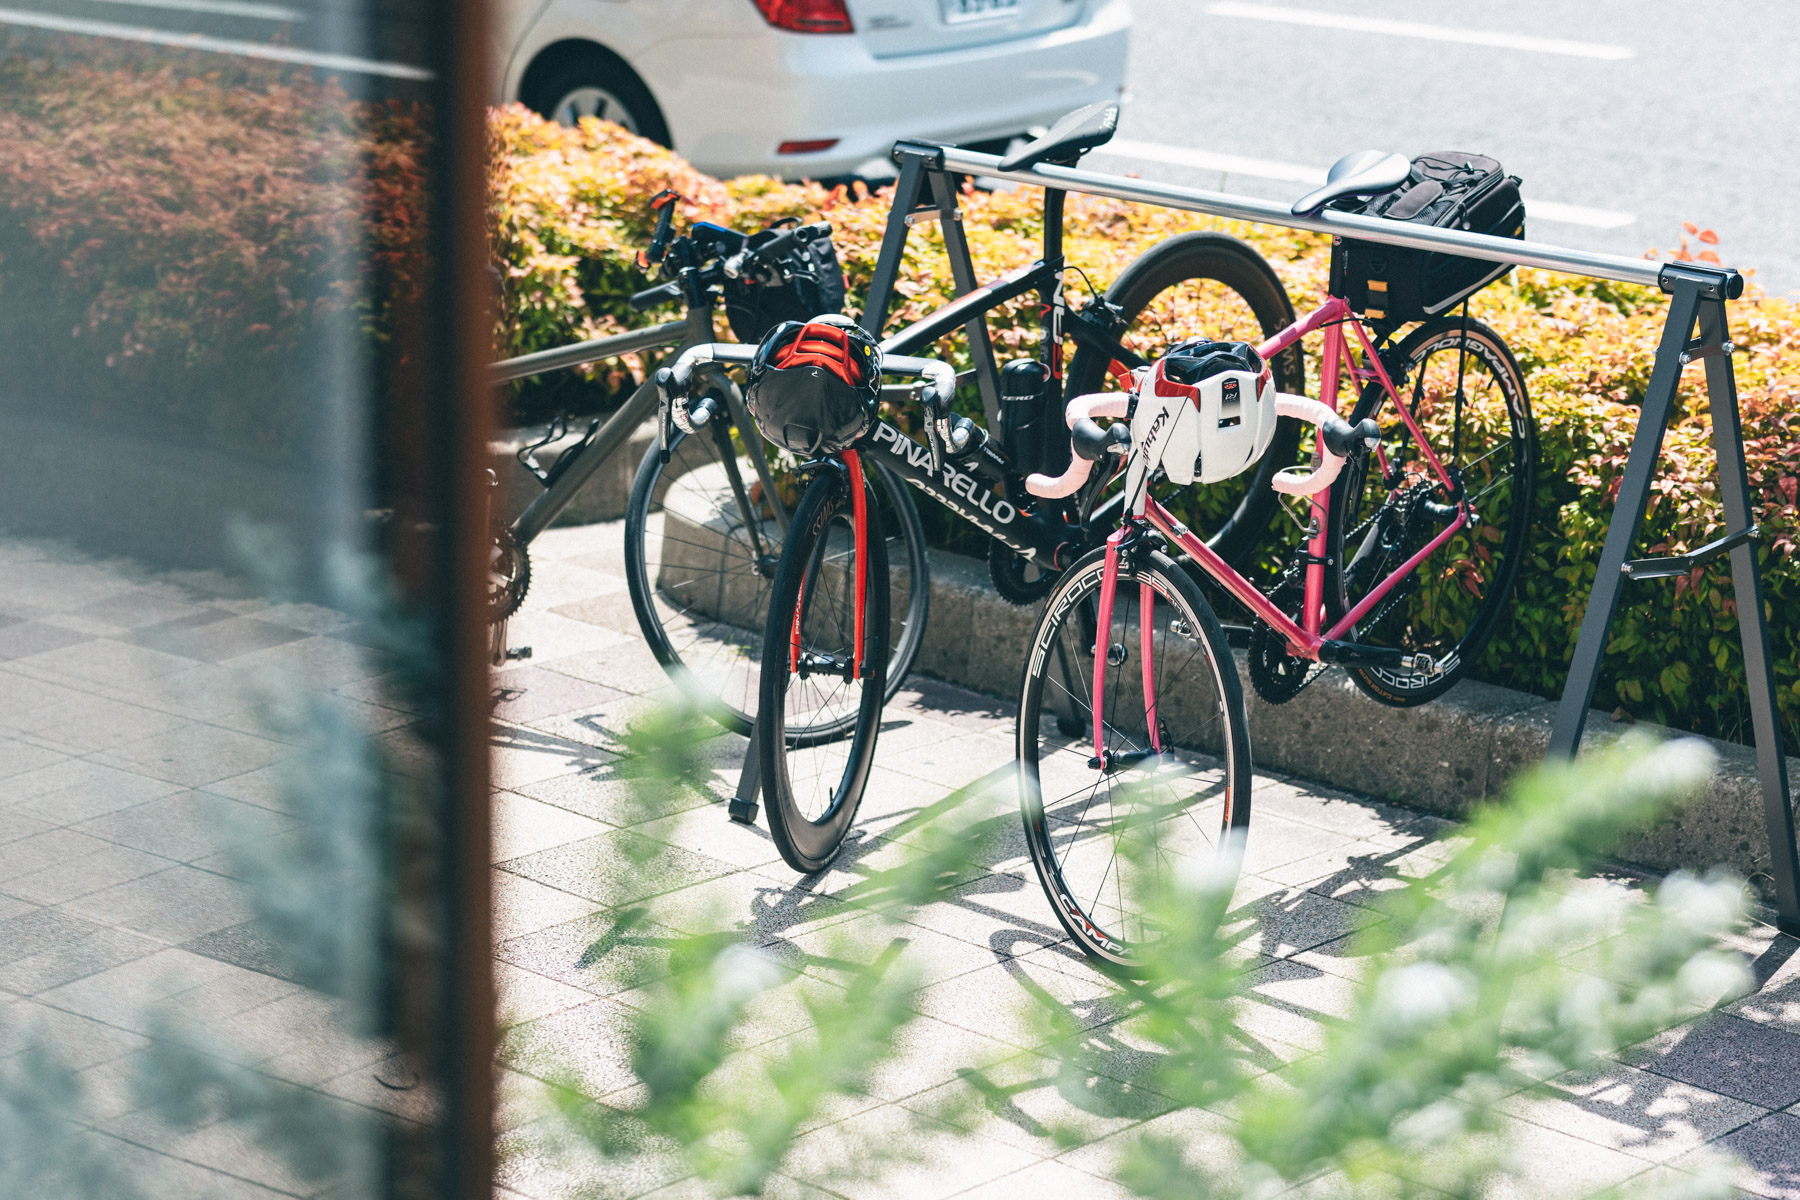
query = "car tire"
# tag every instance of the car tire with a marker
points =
(590, 81)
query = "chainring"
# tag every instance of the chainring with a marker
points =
(1277, 675)
(1008, 573)
(509, 574)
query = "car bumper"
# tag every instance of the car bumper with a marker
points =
(815, 87)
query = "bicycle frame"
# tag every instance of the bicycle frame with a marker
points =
(1307, 637)
(1045, 537)
(600, 444)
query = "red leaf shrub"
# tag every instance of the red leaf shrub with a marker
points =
(206, 238)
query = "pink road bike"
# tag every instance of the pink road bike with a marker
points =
(1133, 746)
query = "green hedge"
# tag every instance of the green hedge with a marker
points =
(178, 226)
(569, 209)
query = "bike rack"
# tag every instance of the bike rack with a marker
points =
(1698, 293)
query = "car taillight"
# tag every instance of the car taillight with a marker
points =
(807, 16)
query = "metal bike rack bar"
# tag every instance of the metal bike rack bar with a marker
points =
(579, 353)
(1698, 294)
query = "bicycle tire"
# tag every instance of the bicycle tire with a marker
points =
(813, 784)
(1454, 598)
(1167, 275)
(1201, 712)
(721, 676)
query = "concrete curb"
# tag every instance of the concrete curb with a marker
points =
(1443, 757)
(602, 498)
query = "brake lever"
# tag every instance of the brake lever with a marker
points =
(665, 404)
(934, 414)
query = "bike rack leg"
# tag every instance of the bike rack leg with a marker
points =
(1753, 623)
(743, 806)
(1628, 514)
(1690, 303)
(893, 243)
(962, 272)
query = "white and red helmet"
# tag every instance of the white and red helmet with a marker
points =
(1204, 412)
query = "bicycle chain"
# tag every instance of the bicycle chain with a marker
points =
(1276, 675)
(1007, 570)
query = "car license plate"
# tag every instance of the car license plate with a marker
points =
(974, 10)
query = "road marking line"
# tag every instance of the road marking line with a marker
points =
(195, 41)
(1262, 168)
(221, 8)
(1575, 214)
(1415, 29)
(1206, 160)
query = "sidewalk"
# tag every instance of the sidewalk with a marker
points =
(1315, 863)
(132, 755)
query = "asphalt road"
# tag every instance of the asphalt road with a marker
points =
(1624, 118)
(1657, 114)
(376, 56)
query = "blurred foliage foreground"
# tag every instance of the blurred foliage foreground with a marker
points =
(1467, 996)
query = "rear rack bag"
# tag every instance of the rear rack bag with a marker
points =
(1448, 189)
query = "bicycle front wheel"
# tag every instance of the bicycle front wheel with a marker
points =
(702, 539)
(818, 683)
(1168, 791)
(1446, 607)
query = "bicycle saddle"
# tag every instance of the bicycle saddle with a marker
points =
(1363, 173)
(1073, 135)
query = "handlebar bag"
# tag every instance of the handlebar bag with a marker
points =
(1449, 189)
(814, 287)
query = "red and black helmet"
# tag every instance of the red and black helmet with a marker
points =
(814, 385)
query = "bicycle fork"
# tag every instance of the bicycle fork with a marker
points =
(1109, 586)
(859, 568)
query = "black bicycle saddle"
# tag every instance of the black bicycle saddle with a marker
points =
(1072, 136)
(1363, 173)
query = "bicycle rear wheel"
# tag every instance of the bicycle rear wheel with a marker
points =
(1159, 809)
(815, 687)
(1207, 284)
(1448, 606)
(701, 545)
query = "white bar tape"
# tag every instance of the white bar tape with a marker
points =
(1095, 404)
(1293, 481)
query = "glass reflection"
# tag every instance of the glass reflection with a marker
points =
(216, 865)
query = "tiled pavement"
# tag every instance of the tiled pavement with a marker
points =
(129, 746)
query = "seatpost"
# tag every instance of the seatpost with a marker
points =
(1051, 353)
(1053, 224)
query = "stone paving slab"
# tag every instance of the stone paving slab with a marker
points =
(135, 756)
(132, 757)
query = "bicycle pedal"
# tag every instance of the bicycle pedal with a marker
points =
(742, 811)
(518, 653)
(1420, 663)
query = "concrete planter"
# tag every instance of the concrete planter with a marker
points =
(604, 497)
(1443, 757)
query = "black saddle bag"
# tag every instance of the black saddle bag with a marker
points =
(814, 287)
(1447, 189)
